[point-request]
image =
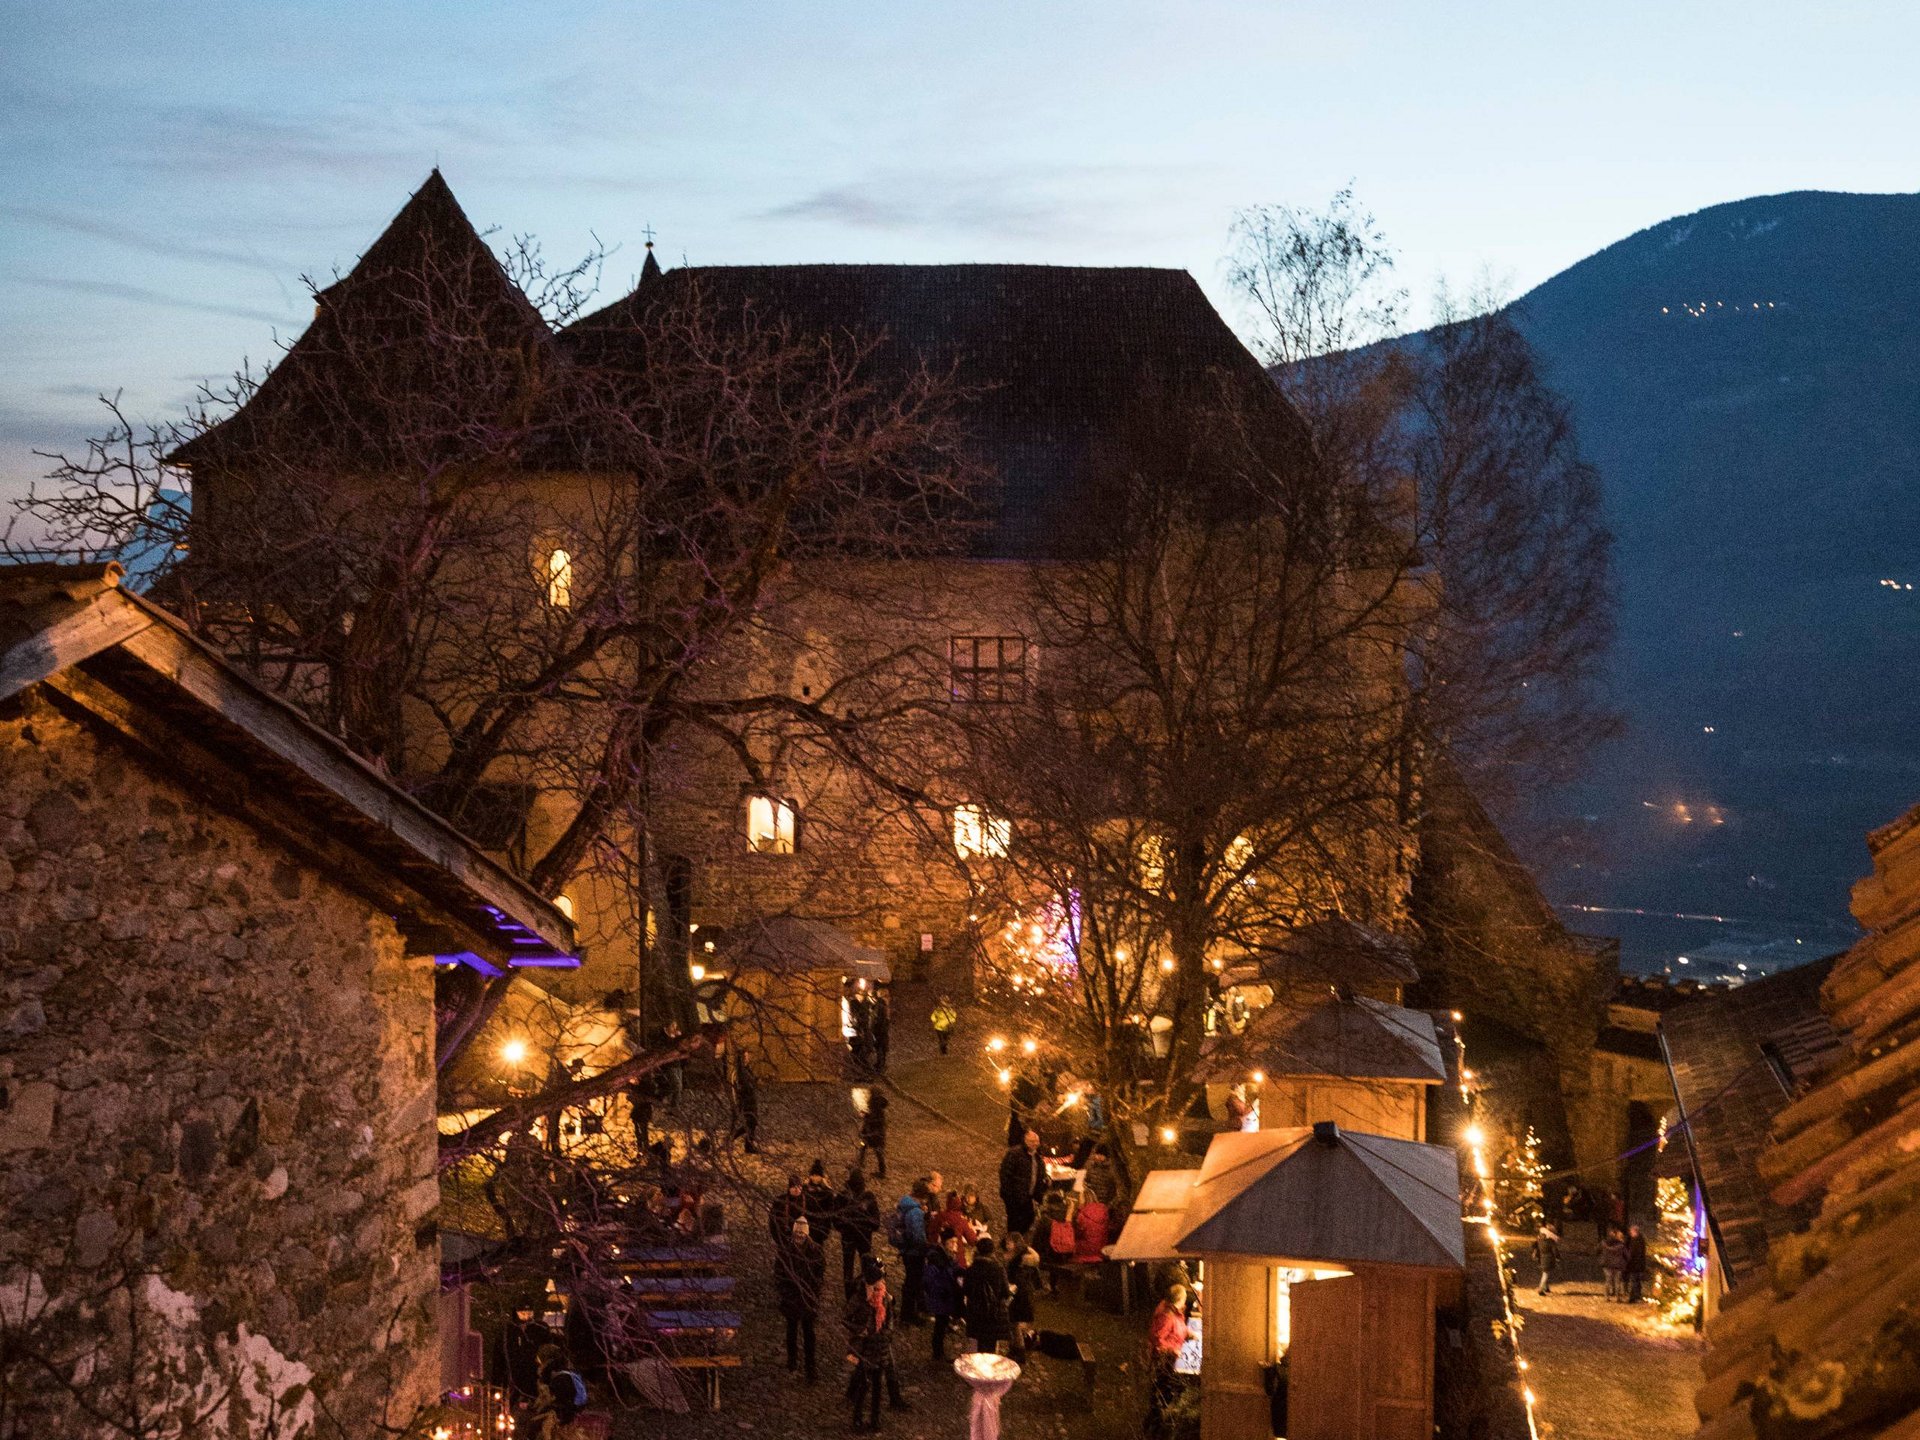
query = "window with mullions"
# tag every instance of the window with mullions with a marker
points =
(990, 669)
(772, 825)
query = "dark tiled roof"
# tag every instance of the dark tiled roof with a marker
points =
(1738, 1057)
(1050, 358)
(428, 282)
(1362, 1039)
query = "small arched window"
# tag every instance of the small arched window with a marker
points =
(560, 579)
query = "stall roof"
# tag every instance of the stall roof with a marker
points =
(1165, 1190)
(1149, 1234)
(1319, 1194)
(1359, 1039)
(1336, 952)
(137, 670)
(794, 944)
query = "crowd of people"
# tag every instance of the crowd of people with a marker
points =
(962, 1274)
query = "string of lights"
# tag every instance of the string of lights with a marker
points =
(1475, 1138)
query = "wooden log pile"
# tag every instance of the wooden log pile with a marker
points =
(1828, 1347)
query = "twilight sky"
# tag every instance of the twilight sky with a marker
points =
(173, 169)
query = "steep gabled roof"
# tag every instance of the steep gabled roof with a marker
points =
(428, 278)
(136, 670)
(1051, 358)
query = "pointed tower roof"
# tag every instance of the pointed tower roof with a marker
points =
(650, 270)
(427, 268)
(1322, 1195)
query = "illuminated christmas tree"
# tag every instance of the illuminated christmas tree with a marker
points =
(1517, 1192)
(1675, 1252)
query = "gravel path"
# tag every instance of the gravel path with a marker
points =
(1602, 1369)
(963, 1142)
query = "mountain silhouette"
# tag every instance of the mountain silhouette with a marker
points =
(1747, 379)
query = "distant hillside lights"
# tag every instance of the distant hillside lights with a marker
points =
(1897, 584)
(1700, 309)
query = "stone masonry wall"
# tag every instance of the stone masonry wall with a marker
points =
(218, 1100)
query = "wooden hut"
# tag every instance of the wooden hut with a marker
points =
(793, 976)
(1321, 1248)
(1363, 1063)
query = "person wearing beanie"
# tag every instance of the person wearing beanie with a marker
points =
(787, 1207)
(800, 1268)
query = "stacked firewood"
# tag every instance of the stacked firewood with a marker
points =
(1830, 1348)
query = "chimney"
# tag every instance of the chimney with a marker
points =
(1326, 1133)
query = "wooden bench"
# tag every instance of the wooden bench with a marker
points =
(707, 1258)
(666, 1289)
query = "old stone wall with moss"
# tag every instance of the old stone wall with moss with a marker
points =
(217, 1166)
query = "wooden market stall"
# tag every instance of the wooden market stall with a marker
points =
(1364, 1063)
(793, 976)
(1326, 1252)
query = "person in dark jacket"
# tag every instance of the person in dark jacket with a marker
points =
(746, 1100)
(800, 1268)
(820, 1201)
(516, 1357)
(983, 1299)
(882, 1031)
(870, 1323)
(873, 1136)
(1636, 1268)
(1023, 1180)
(1022, 1101)
(857, 1220)
(940, 1292)
(1023, 1275)
(1613, 1263)
(563, 1394)
(788, 1206)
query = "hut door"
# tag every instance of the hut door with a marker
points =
(1326, 1397)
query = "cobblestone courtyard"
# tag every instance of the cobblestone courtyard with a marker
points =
(1604, 1370)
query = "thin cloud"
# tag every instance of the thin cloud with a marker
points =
(1023, 204)
(132, 239)
(140, 295)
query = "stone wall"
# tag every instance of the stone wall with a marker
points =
(218, 1107)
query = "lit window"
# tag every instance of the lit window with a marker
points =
(560, 579)
(978, 831)
(770, 825)
(991, 669)
(564, 904)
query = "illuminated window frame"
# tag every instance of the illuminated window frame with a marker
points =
(977, 831)
(773, 825)
(559, 578)
(987, 669)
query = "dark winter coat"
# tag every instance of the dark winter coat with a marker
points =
(873, 1125)
(1636, 1258)
(940, 1286)
(869, 1337)
(1026, 1283)
(782, 1213)
(983, 1299)
(1023, 1178)
(799, 1268)
(858, 1219)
